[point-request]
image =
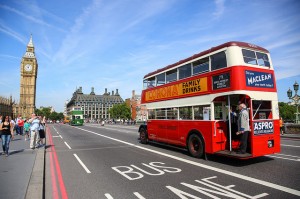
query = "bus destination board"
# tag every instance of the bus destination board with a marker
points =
(221, 81)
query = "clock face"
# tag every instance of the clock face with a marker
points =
(28, 67)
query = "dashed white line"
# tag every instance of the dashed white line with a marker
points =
(68, 145)
(290, 145)
(138, 195)
(82, 164)
(108, 196)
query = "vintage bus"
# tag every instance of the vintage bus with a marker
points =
(188, 102)
(76, 117)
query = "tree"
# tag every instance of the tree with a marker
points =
(286, 111)
(120, 111)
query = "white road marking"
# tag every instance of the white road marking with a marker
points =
(138, 195)
(61, 137)
(273, 156)
(55, 136)
(108, 196)
(250, 179)
(68, 145)
(82, 164)
(287, 155)
(289, 145)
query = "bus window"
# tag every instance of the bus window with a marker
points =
(151, 114)
(262, 59)
(249, 57)
(185, 71)
(202, 112)
(172, 113)
(160, 114)
(160, 79)
(262, 110)
(201, 66)
(218, 61)
(171, 75)
(218, 111)
(185, 113)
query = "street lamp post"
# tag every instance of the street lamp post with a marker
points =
(295, 99)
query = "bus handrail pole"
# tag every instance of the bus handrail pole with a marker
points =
(229, 121)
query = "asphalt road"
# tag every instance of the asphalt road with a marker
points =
(108, 162)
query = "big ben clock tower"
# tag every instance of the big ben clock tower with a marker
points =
(29, 69)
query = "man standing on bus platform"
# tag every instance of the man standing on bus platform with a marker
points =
(243, 128)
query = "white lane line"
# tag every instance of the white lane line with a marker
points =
(138, 195)
(287, 155)
(68, 145)
(55, 136)
(61, 137)
(57, 132)
(108, 196)
(290, 145)
(273, 156)
(250, 179)
(82, 164)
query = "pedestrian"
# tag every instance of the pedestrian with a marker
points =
(41, 141)
(281, 125)
(7, 133)
(0, 130)
(21, 125)
(13, 123)
(26, 130)
(243, 128)
(34, 126)
(17, 128)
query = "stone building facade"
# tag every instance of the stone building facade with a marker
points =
(94, 106)
(6, 106)
(138, 111)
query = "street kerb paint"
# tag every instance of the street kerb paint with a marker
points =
(54, 165)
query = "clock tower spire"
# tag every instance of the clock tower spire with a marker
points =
(29, 69)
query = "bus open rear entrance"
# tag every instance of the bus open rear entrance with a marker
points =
(264, 136)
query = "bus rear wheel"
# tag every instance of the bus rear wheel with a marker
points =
(195, 146)
(143, 136)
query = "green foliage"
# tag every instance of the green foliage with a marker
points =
(120, 111)
(286, 111)
(47, 113)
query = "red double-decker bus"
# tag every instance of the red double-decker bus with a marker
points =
(191, 103)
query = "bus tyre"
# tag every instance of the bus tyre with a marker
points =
(143, 136)
(195, 146)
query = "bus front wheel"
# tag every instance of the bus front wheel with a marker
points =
(195, 146)
(143, 136)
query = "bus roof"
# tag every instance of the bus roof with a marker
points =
(228, 44)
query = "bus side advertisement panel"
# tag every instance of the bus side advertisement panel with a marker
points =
(183, 89)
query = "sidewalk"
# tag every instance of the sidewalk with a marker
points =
(18, 171)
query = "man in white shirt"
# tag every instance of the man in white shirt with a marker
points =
(34, 126)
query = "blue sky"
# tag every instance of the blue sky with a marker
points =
(113, 44)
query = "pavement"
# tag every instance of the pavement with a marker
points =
(24, 169)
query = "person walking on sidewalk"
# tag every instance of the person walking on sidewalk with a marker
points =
(21, 125)
(26, 130)
(7, 133)
(35, 122)
(281, 125)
